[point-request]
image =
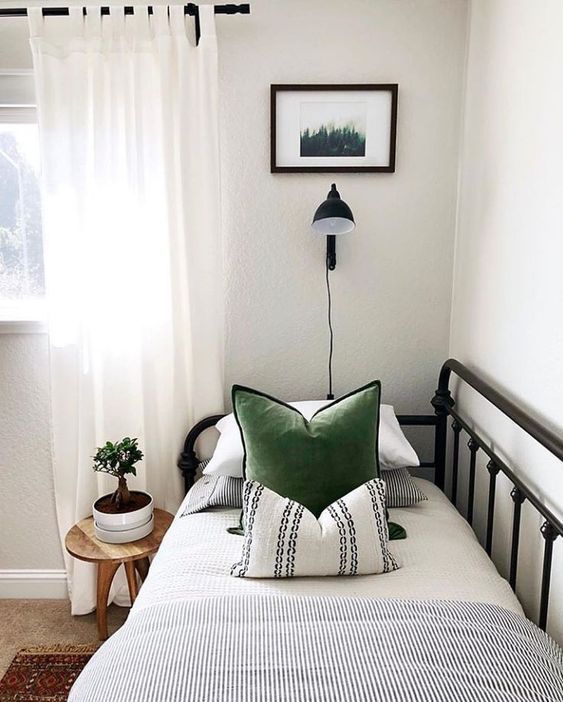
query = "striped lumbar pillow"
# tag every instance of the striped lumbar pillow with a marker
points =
(212, 491)
(283, 539)
(224, 491)
(401, 489)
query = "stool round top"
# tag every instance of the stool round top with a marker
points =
(82, 543)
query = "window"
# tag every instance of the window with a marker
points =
(22, 280)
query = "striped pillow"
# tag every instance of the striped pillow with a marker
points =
(283, 539)
(213, 491)
(401, 489)
(224, 491)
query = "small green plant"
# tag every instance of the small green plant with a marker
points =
(119, 459)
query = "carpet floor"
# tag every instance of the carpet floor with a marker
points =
(25, 623)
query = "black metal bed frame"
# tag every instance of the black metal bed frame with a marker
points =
(444, 407)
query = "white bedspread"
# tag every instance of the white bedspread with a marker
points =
(442, 559)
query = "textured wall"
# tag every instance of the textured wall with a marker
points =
(27, 517)
(392, 285)
(508, 289)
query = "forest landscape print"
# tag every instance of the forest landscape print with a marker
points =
(336, 128)
(333, 129)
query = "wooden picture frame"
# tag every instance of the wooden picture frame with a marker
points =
(349, 128)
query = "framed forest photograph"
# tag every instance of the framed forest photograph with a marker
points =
(333, 128)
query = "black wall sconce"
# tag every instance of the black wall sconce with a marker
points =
(332, 218)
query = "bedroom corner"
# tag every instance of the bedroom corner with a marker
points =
(279, 362)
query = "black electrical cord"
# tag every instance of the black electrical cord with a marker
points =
(330, 396)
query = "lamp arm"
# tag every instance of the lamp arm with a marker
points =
(331, 252)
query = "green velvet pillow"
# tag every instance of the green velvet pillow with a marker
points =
(312, 462)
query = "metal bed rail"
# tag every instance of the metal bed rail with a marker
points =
(552, 527)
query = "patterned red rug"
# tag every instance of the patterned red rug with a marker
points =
(44, 673)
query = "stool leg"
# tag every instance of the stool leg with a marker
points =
(131, 579)
(142, 566)
(106, 571)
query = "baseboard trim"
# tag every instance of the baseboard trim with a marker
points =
(29, 584)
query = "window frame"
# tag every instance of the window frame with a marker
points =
(23, 316)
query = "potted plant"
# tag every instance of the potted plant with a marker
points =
(124, 515)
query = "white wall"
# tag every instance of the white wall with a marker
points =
(27, 517)
(392, 285)
(507, 314)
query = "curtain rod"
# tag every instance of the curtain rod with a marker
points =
(189, 9)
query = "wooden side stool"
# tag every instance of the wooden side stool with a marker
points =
(81, 543)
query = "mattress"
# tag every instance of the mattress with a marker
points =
(441, 557)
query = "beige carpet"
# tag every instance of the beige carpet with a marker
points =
(39, 622)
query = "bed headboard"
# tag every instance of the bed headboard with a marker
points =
(445, 415)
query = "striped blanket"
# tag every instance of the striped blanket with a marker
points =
(267, 649)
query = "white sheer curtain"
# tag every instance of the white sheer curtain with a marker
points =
(128, 126)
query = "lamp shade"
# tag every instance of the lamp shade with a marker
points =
(333, 216)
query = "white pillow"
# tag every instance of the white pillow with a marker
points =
(282, 539)
(394, 449)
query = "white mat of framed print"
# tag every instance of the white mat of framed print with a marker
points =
(333, 128)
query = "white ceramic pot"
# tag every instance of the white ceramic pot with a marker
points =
(124, 520)
(126, 535)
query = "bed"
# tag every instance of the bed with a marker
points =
(445, 626)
